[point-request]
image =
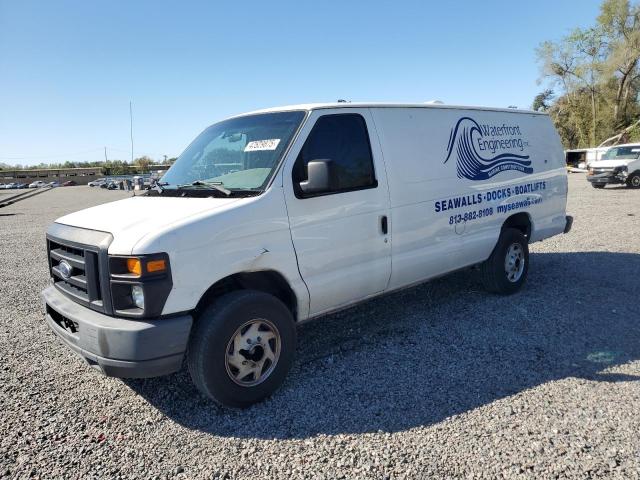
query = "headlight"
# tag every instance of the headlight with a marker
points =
(137, 294)
(139, 284)
(134, 265)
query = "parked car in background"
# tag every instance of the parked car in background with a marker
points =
(37, 184)
(53, 184)
(22, 185)
(70, 183)
(110, 185)
(619, 165)
(97, 183)
(11, 185)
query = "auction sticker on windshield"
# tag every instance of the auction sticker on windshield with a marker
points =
(256, 145)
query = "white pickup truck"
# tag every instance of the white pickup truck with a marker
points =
(276, 217)
(619, 165)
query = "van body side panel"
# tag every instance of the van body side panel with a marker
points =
(343, 256)
(456, 175)
(208, 248)
(424, 244)
(549, 214)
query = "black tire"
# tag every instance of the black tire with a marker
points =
(597, 185)
(634, 180)
(493, 270)
(210, 340)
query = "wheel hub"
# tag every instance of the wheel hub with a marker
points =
(514, 262)
(253, 352)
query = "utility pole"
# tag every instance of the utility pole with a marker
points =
(131, 125)
(105, 154)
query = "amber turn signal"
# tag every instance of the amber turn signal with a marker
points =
(154, 266)
(134, 266)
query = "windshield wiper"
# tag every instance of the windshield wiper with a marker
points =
(219, 186)
(247, 191)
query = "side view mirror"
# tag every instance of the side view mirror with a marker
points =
(319, 178)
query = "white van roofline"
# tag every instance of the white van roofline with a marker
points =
(320, 106)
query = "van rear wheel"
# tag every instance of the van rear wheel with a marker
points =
(597, 185)
(505, 271)
(241, 348)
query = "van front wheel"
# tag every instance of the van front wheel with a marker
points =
(505, 271)
(241, 348)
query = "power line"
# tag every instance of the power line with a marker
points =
(29, 157)
(71, 154)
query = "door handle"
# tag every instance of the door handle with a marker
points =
(384, 224)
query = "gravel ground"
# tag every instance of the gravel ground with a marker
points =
(441, 380)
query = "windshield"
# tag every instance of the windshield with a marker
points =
(239, 154)
(622, 153)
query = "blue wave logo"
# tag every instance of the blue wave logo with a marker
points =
(473, 165)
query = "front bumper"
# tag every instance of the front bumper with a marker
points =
(607, 178)
(115, 346)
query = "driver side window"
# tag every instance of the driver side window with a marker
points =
(342, 139)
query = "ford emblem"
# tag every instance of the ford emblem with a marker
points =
(65, 269)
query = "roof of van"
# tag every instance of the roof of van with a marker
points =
(318, 106)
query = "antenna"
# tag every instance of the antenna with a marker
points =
(131, 128)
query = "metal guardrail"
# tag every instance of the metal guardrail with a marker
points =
(23, 196)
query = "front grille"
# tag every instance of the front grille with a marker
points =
(81, 281)
(599, 171)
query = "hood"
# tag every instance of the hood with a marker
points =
(610, 163)
(129, 220)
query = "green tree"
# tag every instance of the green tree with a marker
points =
(115, 167)
(542, 101)
(596, 76)
(621, 23)
(143, 163)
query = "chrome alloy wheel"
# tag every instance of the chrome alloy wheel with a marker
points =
(635, 181)
(253, 352)
(514, 262)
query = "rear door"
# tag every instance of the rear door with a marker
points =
(341, 236)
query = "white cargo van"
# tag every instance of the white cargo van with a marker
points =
(276, 217)
(619, 165)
